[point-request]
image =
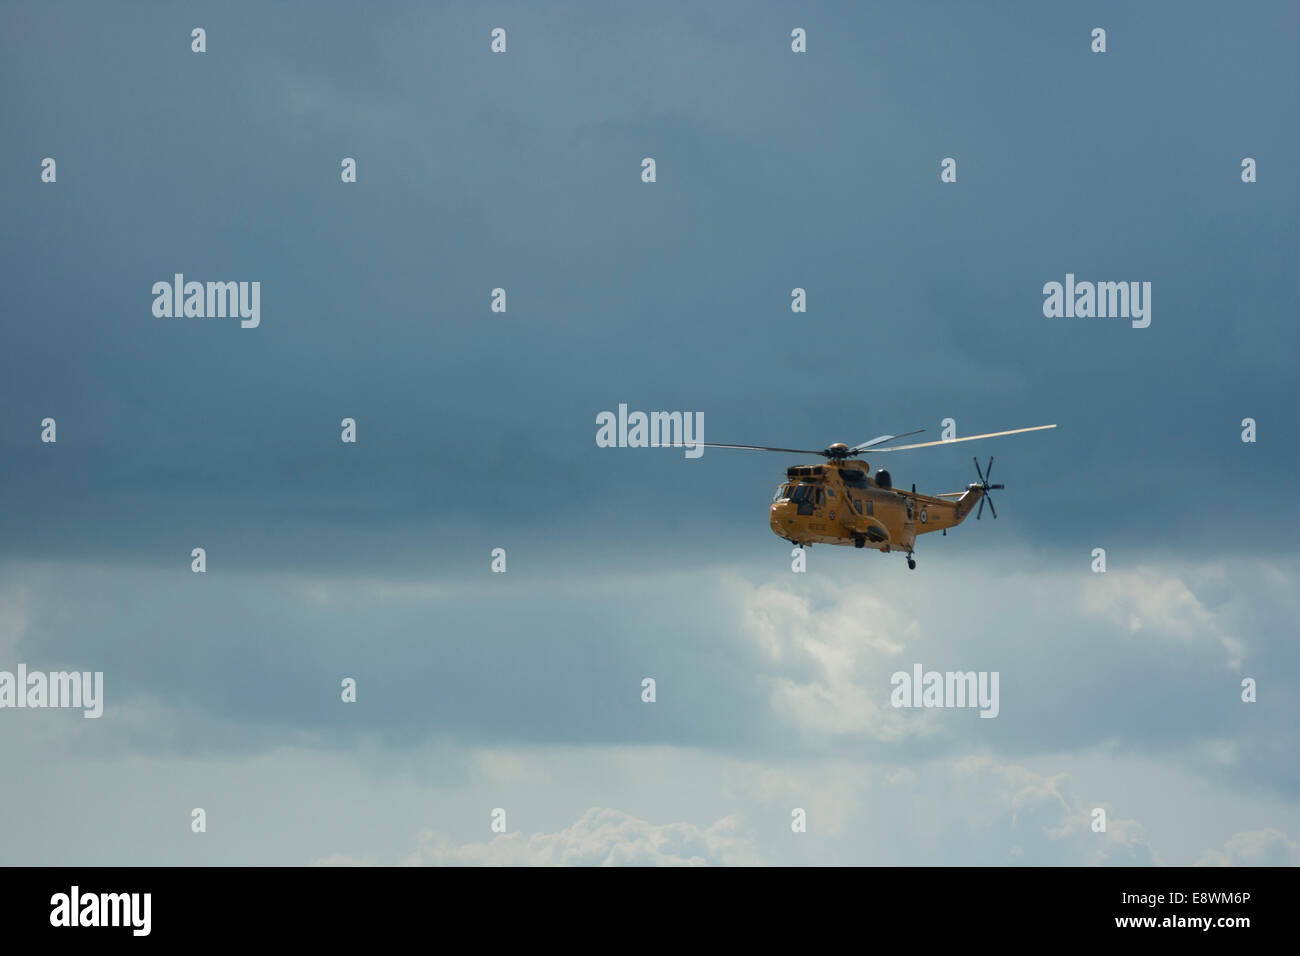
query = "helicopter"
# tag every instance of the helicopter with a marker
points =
(842, 502)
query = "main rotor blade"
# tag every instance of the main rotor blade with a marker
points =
(875, 441)
(709, 444)
(953, 441)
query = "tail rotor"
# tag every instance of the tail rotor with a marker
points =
(984, 483)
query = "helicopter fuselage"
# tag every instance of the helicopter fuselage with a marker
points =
(840, 502)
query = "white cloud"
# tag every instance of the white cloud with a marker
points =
(1159, 603)
(825, 647)
(1255, 848)
(601, 838)
(1047, 822)
(962, 811)
(828, 655)
(339, 859)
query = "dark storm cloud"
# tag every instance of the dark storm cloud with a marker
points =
(521, 171)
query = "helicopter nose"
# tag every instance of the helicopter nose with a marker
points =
(782, 516)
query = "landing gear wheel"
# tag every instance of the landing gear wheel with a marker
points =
(859, 541)
(911, 563)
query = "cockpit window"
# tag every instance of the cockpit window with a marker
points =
(808, 498)
(782, 491)
(805, 496)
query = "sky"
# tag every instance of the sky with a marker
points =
(522, 691)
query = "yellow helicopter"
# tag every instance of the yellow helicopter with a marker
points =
(841, 502)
